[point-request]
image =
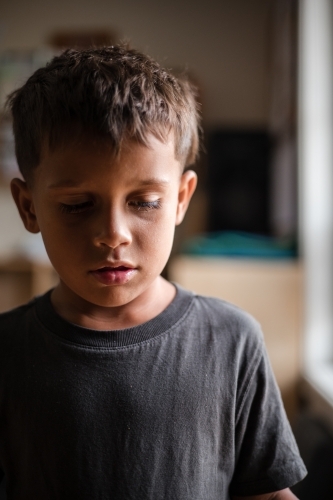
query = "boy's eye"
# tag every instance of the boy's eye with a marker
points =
(145, 205)
(75, 208)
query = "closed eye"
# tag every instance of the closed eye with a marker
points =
(75, 208)
(145, 205)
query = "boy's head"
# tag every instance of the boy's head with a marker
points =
(102, 138)
(109, 94)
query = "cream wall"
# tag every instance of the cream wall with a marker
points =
(223, 42)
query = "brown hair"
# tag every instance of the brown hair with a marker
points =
(111, 93)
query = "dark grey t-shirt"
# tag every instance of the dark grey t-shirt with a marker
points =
(183, 407)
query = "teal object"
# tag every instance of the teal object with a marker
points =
(240, 244)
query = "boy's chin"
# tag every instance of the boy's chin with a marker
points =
(103, 296)
(113, 308)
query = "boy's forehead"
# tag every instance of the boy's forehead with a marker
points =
(74, 145)
(87, 154)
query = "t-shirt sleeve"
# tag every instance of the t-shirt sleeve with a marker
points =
(267, 457)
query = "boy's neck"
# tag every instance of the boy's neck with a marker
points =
(140, 310)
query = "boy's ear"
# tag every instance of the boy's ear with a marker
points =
(23, 198)
(188, 183)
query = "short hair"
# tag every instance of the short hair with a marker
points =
(112, 93)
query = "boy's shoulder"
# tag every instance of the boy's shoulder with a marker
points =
(227, 319)
(219, 308)
(223, 331)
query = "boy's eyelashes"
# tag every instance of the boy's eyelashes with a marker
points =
(76, 208)
(145, 205)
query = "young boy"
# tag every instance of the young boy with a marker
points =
(118, 384)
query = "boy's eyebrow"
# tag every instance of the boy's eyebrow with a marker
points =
(64, 183)
(144, 182)
(154, 181)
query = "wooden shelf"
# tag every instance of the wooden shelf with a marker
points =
(21, 280)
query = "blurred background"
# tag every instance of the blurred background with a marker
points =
(259, 230)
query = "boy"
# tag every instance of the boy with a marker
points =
(118, 384)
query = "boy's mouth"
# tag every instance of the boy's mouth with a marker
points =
(118, 275)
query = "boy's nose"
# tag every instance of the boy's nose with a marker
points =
(113, 230)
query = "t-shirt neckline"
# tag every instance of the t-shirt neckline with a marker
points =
(113, 338)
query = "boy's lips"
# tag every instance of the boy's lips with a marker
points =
(114, 274)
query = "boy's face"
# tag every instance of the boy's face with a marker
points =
(107, 222)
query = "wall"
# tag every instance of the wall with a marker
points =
(223, 42)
